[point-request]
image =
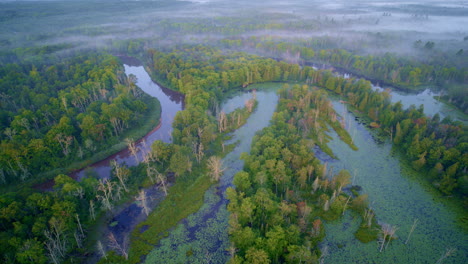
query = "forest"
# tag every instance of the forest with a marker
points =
(67, 103)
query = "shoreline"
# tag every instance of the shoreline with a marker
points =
(120, 148)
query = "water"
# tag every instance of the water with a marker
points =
(397, 197)
(202, 237)
(128, 215)
(171, 103)
(426, 98)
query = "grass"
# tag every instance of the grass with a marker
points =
(343, 134)
(366, 233)
(185, 198)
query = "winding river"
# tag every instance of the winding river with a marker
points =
(171, 103)
(127, 216)
(202, 237)
(395, 194)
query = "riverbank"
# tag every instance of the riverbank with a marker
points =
(149, 123)
(188, 195)
(201, 234)
(463, 116)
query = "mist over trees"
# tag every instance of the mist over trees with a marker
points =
(65, 102)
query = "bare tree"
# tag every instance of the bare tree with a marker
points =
(387, 232)
(197, 149)
(411, 231)
(24, 171)
(105, 194)
(249, 104)
(324, 170)
(222, 122)
(119, 247)
(143, 198)
(215, 165)
(232, 250)
(324, 254)
(65, 142)
(121, 173)
(2, 176)
(315, 185)
(448, 252)
(79, 224)
(92, 209)
(368, 216)
(346, 204)
(326, 205)
(80, 152)
(161, 179)
(101, 249)
(132, 148)
(56, 243)
(78, 238)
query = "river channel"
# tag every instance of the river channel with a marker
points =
(127, 216)
(171, 102)
(202, 237)
(396, 195)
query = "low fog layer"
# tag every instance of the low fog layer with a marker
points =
(355, 24)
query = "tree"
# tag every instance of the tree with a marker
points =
(215, 167)
(257, 256)
(276, 242)
(143, 198)
(32, 251)
(106, 193)
(162, 152)
(300, 254)
(56, 242)
(180, 163)
(387, 232)
(132, 148)
(121, 173)
(121, 248)
(242, 181)
(342, 179)
(243, 238)
(222, 122)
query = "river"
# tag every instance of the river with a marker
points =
(202, 237)
(171, 103)
(125, 217)
(397, 196)
(426, 98)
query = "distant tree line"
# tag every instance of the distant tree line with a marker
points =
(390, 69)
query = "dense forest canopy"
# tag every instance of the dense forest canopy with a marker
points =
(53, 114)
(65, 101)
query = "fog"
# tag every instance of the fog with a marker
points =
(360, 26)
